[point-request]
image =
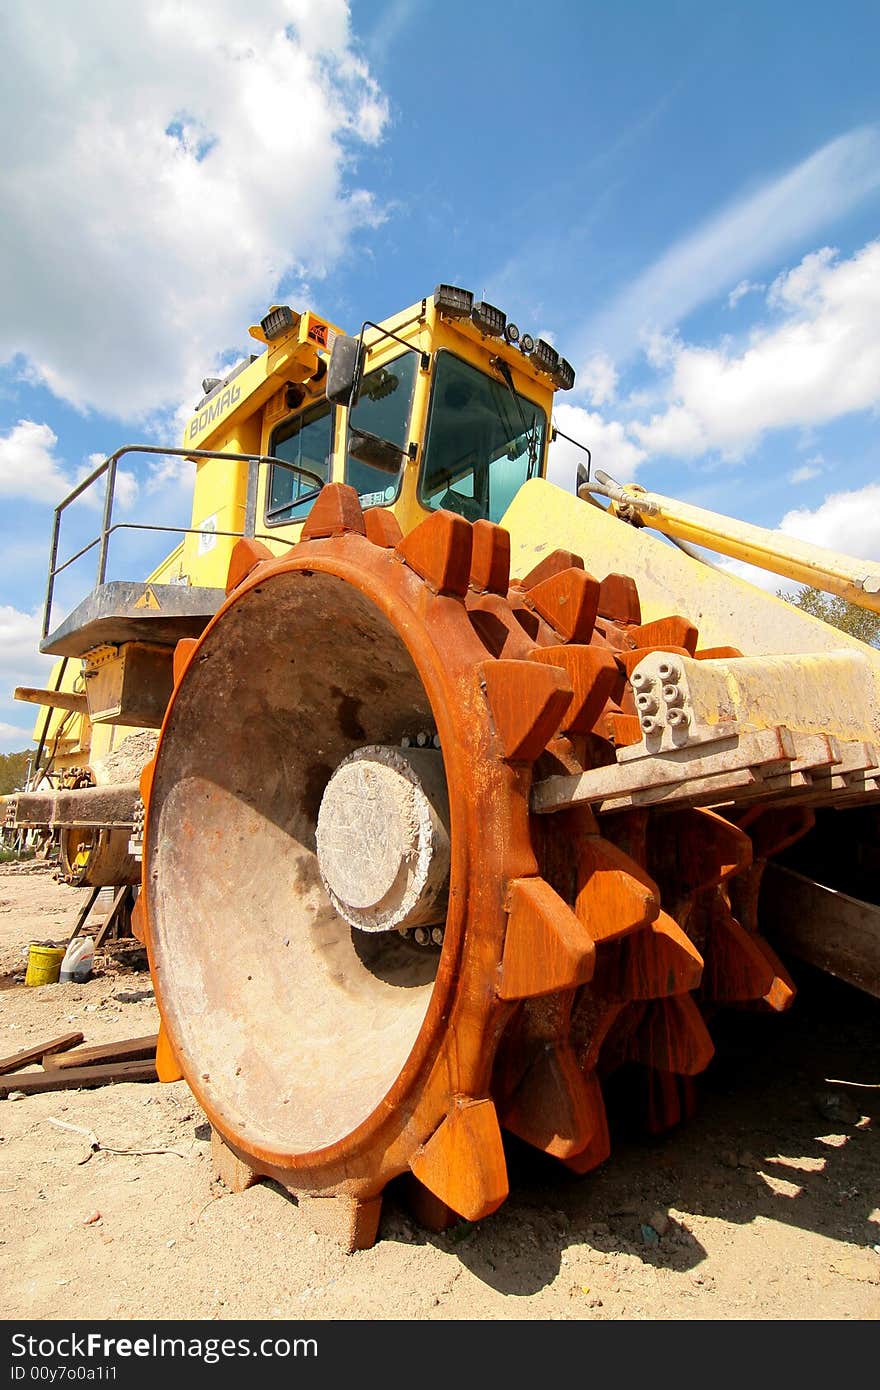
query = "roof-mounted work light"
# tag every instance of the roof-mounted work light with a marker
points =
(456, 303)
(488, 319)
(278, 320)
(544, 357)
(563, 376)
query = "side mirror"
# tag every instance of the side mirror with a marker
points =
(344, 371)
(379, 453)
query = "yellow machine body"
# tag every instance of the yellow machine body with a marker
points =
(727, 610)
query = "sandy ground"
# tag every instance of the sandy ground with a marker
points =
(767, 1203)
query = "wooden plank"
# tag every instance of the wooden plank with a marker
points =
(83, 914)
(126, 1050)
(56, 699)
(829, 929)
(28, 1055)
(115, 910)
(109, 806)
(75, 1078)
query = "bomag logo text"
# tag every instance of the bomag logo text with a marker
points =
(213, 411)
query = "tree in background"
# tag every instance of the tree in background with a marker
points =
(13, 770)
(839, 612)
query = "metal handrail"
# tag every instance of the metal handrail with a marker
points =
(108, 526)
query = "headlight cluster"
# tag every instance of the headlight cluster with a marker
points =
(493, 323)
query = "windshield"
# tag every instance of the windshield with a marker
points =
(483, 442)
(383, 410)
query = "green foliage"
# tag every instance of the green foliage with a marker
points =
(13, 770)
(839, 612)
(15, 856)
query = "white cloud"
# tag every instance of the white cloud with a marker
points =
(807, 471)
(14, 739)
(845, 521)
(28, 465)
(661, 349)
(801, 288)
(170, 170)
(20, 659)
(753, 231)
(394, 18)
(821, 361)
(599, 378)
(741, 290)
(610, 449)
(125, 490)
(30, 469)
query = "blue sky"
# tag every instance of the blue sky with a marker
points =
(684, 197)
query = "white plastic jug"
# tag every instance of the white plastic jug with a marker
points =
(77, 962)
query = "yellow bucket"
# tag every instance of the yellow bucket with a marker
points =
(44, 964)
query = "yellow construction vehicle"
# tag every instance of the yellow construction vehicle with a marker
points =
(465, 787)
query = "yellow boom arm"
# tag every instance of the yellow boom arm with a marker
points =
(858, 581)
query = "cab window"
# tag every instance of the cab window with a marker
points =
(382, 414)
(305, 442)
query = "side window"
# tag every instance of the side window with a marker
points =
(382, 412)
(306, 442)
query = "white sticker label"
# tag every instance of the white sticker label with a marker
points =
(208, 534)
(376, 499)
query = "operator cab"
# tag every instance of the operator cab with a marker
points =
(445, 406)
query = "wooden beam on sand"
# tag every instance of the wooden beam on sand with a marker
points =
(77, 1078)
(128, 1050)
(28, 1055)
